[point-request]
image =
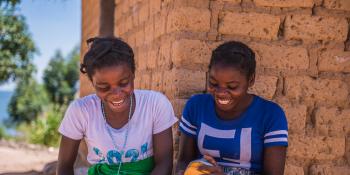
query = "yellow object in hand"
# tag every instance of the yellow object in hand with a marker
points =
(192, 168)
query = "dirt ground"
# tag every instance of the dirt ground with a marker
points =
(16, 158)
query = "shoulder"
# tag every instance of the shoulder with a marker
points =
(199, 99)
(198, 102)
(149, 95)
(269, 106)
(85, 103)
(272, 113)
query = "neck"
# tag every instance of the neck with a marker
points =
(237, 110)
(119, 119)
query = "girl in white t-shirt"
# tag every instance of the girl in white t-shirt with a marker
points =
(127, 131)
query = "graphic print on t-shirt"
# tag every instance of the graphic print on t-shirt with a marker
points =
(239, 151)
(115, 156)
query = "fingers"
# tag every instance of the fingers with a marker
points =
(214, 170)
(181, 172)
(209, 168)
(211, 160)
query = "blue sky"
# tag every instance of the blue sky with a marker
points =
(54, 25)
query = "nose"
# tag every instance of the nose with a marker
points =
(115, 90)
(221, 90)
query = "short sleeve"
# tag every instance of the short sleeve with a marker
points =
(164, 114)
(276, 131)
(187, 124)
(73, 123)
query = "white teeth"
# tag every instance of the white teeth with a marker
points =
(223, 102)
(117, 103)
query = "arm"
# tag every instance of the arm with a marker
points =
(187, 153)
(163, 152)
(274, 160)
(67, 154)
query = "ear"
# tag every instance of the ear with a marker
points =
(251, 81)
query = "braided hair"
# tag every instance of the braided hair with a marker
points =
(106, 52)
(235, 54)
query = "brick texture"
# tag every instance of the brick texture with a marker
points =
(189, 19)
(190, 52)
(318, 148)
(334, 60)
(265, 86)
(332, 121)
(155, 6)
(178, 105)
(281, 57)
(144, 13)
(233, 1)
(157, 80)
(192, 3)
(164, 59)
(183, 83)
(266, 27)
(323, 91)
(328, 170)
(159, 26)
(90, 24)
(314, 28)
(293, 170)
(144, 79)
(337, 4)
(296, 117)
(284, 3)
(152, 57)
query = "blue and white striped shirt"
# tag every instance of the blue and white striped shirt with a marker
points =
(239, 142)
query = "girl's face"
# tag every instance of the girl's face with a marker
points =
(114, 85)
(228, 86)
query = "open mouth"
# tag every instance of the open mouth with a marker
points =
(117, 103)
(223, 101)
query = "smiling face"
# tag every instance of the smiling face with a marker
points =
(114, 85)
(229, 86)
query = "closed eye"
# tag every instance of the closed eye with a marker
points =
(232, 87)
(124, 83)
(104, 89)
(213, 84)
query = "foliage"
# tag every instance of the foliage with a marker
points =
(41, 106)
(2, 132)
(61, 76)
(44, 130)
(27, 102)
(9, 3)
(36, 109)
(16, 45)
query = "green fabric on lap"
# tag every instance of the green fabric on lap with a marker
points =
(142, 167)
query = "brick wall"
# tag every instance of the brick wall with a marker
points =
(90, 28)
(303, 62)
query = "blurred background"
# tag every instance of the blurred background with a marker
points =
(39, 55)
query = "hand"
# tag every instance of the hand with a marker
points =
(215, 169)
(180, 172)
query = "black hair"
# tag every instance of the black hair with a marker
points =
(236, 54)
(106, 52)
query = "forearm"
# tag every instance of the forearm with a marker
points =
(181, 167)
(274, 160)
(65, 170)
(163, 167)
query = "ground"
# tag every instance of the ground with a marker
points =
(19, 158)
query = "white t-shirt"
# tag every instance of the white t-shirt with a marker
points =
(83, 119)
